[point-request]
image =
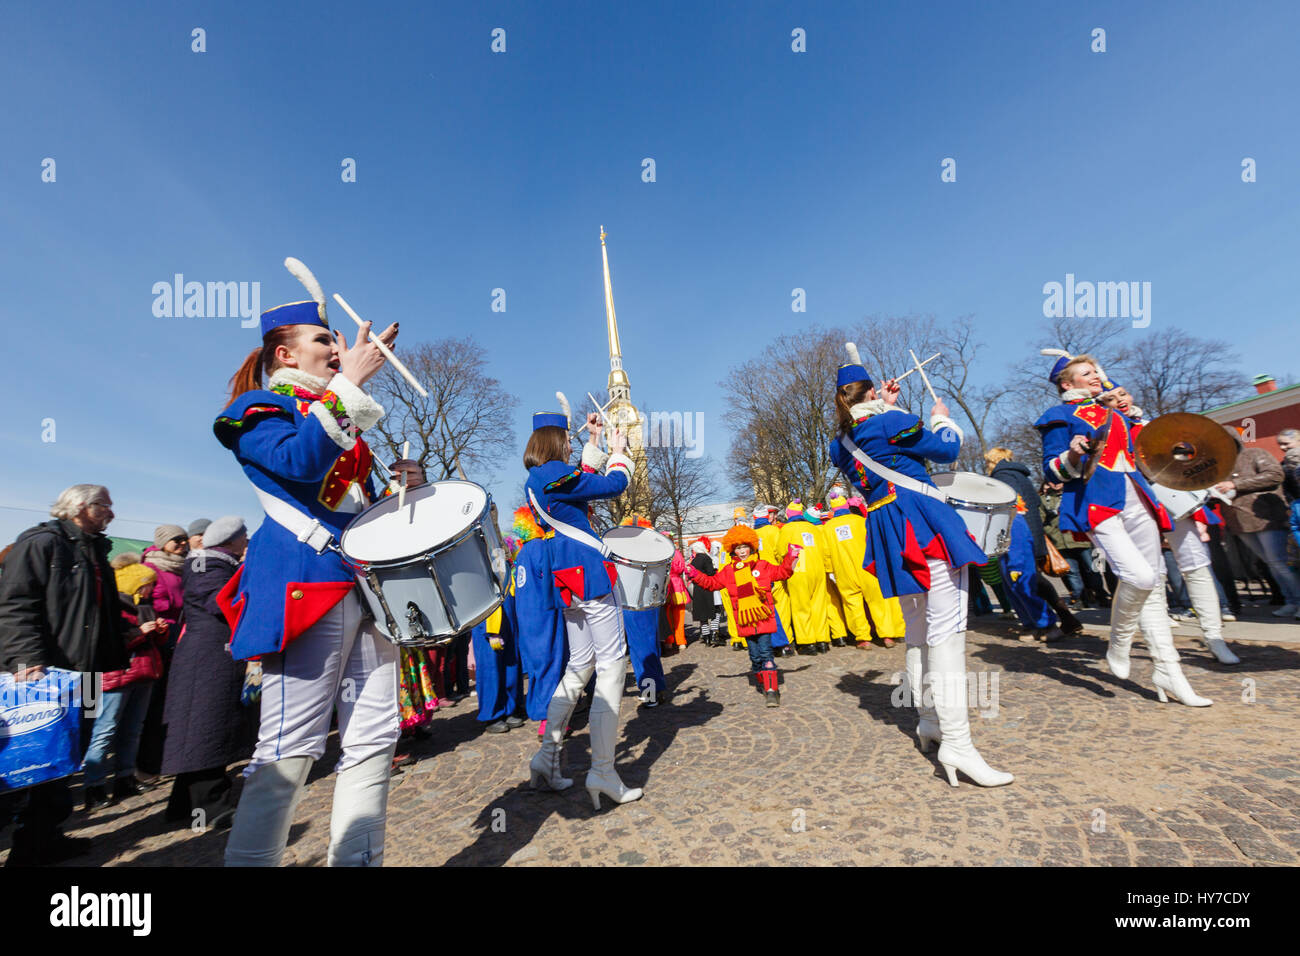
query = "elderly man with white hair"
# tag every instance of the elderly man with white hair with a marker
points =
(58, 608)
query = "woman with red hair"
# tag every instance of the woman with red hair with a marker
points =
(748, 581)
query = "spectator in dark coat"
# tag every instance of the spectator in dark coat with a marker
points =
(1003, 468)
(1260, 518)
(59, 608)
(207, 727)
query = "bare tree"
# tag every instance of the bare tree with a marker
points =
(784, 416)
(465, 421)
(1177, 372)
(680, 482)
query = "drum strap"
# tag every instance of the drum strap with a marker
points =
(305, 528)
(568, 530)
(899, 479)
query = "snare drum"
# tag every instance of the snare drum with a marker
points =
(1179, 504)
(432, 569)
(641, 557)
(986, 505)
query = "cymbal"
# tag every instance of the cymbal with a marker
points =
(1185, 452)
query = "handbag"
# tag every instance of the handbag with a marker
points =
(1053, 563)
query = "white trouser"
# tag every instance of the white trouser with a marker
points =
(1190, 552)
(335, 663)
(595, 632)
(934, 615)
(1131, 542)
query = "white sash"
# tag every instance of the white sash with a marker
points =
(899, 479)
(568, 530)
(305, 528)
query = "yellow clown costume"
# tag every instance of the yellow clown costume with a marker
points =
(807, 586)
(858, 587)
(835, 623)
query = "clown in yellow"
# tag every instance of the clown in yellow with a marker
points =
(807, 586)
(858, 587)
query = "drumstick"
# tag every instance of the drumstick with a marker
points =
(925, 378)
(401, 490)
(598, 408)
(911, 370)
(384, 349)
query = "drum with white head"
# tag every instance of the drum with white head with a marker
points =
(431, 569)
(986, 505)
(641, 557)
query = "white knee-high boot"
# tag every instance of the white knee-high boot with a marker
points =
(1125, 609)
(927, 725)
(602, 777)
(1168, 675)
(360, 812)
(265, 812)
(1205, 599)
(544, 769)
(946, 673)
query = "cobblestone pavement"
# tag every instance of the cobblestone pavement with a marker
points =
(1104, 773)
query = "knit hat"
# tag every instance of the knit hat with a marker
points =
(133, 577)
(740, 534)
(794, 509)
(760, 512)
(167, 532)
(198, 526)
(222, 530)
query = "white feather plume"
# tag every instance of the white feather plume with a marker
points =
(564, 407)
(852, 349)
(1061, 353)
(300, 272)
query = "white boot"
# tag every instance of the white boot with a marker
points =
(927, 725)
(544, 769)
(1125, 609)
(1168, 675)
(360, 812)
(1205, 599)
(946, 674)
(602, 777)
(265, 811)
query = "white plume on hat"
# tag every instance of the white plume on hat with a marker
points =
(854, 357)
(564, 407)
(304, 275)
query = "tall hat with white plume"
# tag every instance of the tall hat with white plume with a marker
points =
(307, 312)
(854, 371)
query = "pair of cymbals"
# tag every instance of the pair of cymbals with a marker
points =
(1185, 452)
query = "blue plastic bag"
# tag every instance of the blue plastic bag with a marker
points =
(40, 728)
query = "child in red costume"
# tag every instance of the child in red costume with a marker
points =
(748, 581)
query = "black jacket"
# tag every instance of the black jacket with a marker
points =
(703, 607)
(58, 602)
(1020, 478)
(206, 724)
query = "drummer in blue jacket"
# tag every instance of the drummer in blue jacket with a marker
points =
(583, 583)
(919, 550)
(292, 605)
(1089, 448)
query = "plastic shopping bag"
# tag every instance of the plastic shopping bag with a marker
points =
(40, 728)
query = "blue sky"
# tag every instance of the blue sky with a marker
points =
(477, 170)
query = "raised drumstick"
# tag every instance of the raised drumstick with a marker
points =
(401, 489)
(925, 378)
(384, 349)
(911, 370)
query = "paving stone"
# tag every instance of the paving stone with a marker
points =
(834, 776)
